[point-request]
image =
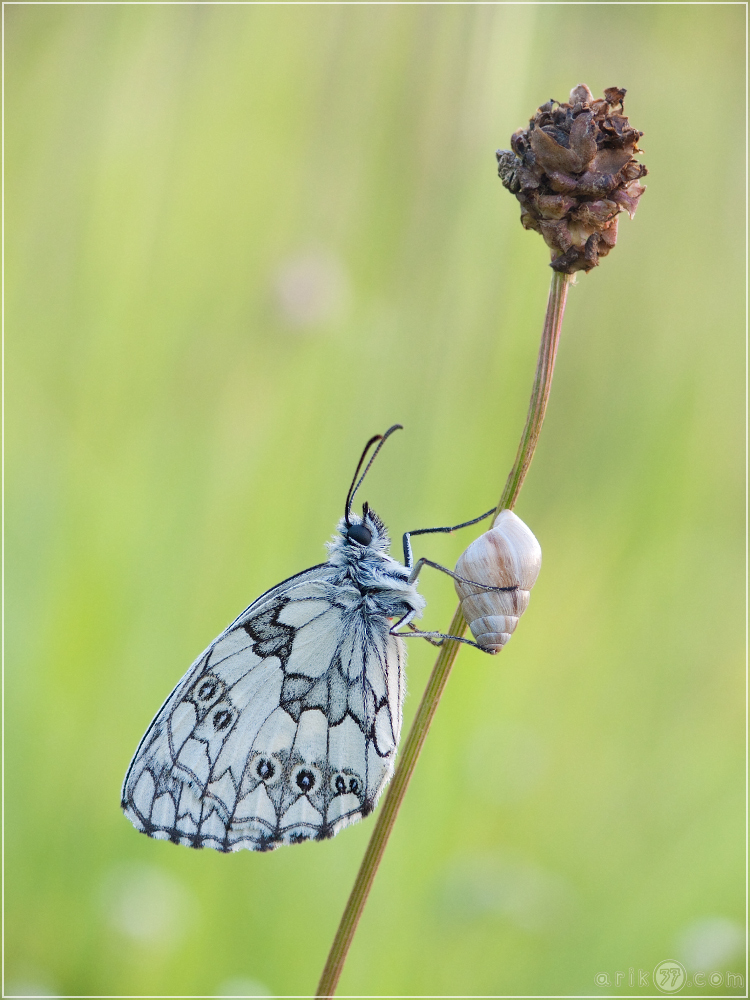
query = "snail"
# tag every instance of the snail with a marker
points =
(509, 557)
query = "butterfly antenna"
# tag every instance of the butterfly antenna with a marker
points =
(356, 483)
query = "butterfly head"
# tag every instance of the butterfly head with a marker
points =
(359, 538)
(366, 532)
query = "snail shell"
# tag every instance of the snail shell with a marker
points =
(508, 555)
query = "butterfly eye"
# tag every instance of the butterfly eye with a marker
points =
(359, 533)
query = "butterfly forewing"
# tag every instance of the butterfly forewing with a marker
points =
(285, 729)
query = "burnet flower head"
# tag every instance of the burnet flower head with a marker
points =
(574, 170)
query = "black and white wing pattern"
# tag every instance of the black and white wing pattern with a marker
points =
(285, 729)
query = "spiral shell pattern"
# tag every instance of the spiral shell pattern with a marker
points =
(508, 555)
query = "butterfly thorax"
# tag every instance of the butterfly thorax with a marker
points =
(371, 570)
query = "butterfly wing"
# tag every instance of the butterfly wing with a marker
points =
(285, 729)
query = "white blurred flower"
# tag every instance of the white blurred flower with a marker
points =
(29, 985)
(311, 289)
(147, 904)
(243, 987)
(526, 896)
(709, 944)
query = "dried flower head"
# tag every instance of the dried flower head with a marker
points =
(573, 171)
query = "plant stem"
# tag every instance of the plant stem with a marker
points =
(448, 651)
(540, 391)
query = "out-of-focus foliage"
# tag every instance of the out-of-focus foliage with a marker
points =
(242, 239)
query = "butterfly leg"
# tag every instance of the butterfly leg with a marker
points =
(416, 569)
(413, 628)
(431, 637)
(409, 557)
(440, 635)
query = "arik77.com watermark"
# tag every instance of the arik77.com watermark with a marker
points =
(669, 976)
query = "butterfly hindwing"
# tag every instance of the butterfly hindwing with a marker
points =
(285, 729)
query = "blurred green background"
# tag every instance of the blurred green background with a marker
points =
(239, 241)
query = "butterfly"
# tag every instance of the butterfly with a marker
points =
(285, 728)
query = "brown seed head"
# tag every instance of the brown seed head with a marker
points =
(573, 171)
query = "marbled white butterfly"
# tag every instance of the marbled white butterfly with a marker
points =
(285, 729)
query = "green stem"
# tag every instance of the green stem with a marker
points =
(448, 651)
